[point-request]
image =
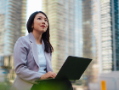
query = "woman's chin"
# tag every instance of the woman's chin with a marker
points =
(41, 31)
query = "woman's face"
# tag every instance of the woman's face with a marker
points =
(40, 23)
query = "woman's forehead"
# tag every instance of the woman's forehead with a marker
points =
(41, 15)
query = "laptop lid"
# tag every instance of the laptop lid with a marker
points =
(73, 68)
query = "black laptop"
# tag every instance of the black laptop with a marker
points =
(73, 68)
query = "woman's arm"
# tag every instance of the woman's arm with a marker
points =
(20, 62)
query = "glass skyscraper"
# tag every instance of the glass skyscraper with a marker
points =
(12, 24)
(95, 45)
(110, 35)
(102, 24)
(65, 29)
(87, 38)
(90, 40)
(115, 12)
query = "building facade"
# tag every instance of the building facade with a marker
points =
(96, 39)
(87, 39)
(65, 29)
(12, 24)
(90, 41)
(105, 17)
(109, 34)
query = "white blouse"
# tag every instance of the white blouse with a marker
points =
(42, 59)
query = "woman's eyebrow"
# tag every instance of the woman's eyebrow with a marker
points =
(41, 16)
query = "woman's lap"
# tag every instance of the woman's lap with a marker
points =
(53, 85)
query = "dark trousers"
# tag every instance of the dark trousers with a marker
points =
(53, 85)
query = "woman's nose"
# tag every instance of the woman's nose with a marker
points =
(43, 21)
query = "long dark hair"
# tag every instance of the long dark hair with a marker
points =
(45, 36)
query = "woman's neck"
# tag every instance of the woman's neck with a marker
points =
(38, 37)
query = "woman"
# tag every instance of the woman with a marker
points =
(32, 55)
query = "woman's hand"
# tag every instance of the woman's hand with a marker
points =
(48, 75)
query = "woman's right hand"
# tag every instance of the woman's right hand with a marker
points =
(48, 75)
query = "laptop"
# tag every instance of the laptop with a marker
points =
(73, 68)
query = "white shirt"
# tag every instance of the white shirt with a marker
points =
(42, 59)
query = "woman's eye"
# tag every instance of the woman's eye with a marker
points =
(39, 18)
(45, 20)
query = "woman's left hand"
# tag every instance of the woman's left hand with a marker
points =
(48, 75)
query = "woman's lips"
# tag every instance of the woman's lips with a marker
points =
(42, 25)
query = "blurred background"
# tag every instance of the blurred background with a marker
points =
(83, 28)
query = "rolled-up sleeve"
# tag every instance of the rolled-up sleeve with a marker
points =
(20, 62)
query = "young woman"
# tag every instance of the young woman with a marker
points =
(32, 56)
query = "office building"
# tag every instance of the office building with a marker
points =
(65, 29)
(12, 24)
(106, 31)
(90, 41)
(87, 38)
(96, 39)
(110, 35)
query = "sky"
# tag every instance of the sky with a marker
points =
(32, 6)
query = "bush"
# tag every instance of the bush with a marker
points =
(5, 85)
